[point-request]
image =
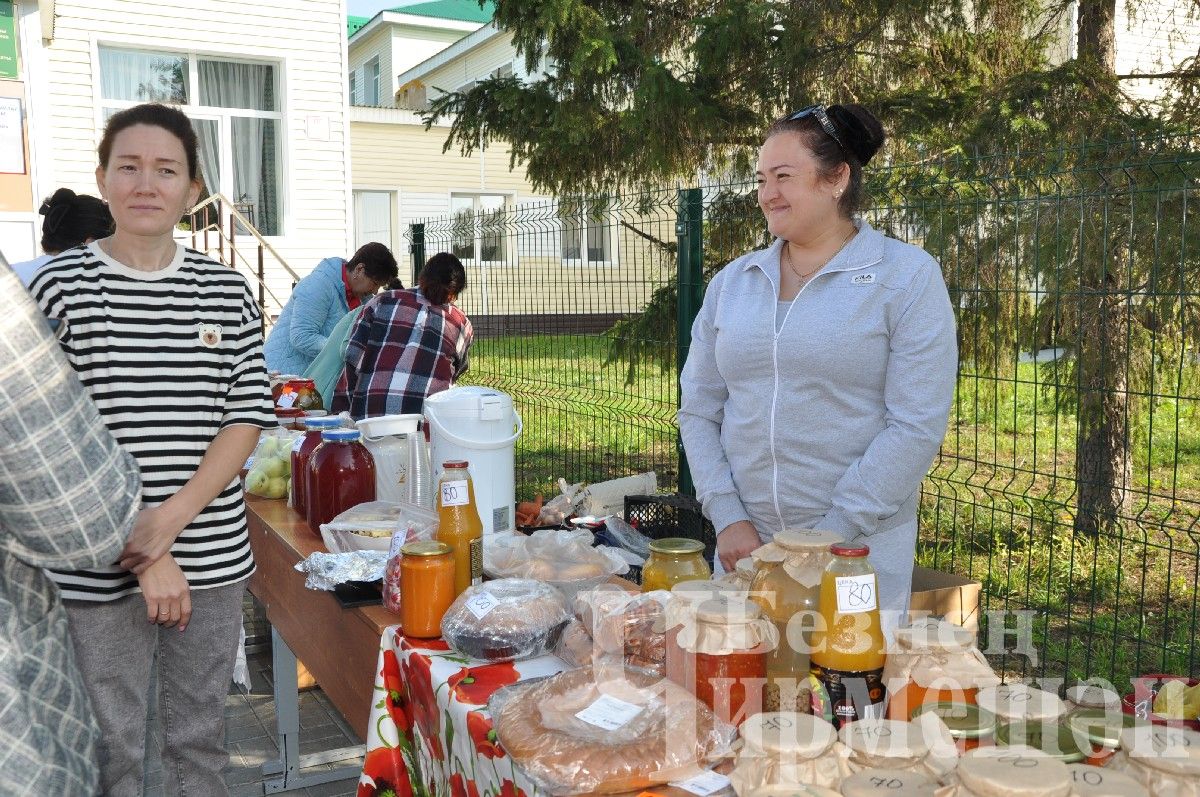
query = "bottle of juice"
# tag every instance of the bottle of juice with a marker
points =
(848, 644)
(459, 525)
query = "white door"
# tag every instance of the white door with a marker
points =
(373, 218)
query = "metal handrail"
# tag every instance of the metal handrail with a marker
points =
(233, 212)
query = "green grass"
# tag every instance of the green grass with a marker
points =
(997, 506)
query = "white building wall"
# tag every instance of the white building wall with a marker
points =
(1156, 38)
(307, 42)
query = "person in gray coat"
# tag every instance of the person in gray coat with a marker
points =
(821, 370)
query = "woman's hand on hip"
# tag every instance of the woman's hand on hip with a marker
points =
(168, 597)
(735, 542)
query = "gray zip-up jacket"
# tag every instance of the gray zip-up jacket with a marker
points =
(833, 421)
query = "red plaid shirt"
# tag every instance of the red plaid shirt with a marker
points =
(402, 348)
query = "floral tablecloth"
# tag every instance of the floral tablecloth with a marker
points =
(430, 733)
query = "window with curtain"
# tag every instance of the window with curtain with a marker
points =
(234, 107)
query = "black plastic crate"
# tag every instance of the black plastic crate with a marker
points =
(673, 515)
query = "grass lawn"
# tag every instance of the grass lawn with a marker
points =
(997, 505)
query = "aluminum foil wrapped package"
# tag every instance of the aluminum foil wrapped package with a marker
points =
(324, 571)
(506, 619)
(601, 730)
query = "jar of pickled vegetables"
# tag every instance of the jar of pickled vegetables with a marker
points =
(672, 560)
(730, 640)
(680, 611)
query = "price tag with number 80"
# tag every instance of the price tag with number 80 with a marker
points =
(454, 493)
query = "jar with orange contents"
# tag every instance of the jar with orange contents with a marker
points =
(426, 587)
(934, 662)
(730, 639)
(680, 611)
(970, 726)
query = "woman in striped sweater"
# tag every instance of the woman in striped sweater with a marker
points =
(168, 343)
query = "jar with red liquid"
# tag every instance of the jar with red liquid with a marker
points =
(301, 453)
(730, 639)
(341, 474)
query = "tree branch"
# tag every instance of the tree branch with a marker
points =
(1159, 75)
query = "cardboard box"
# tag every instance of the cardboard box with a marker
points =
(956, 598)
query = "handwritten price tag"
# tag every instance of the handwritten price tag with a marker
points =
(609, 713)
(481, 604)
(455, 493)
(856, 594)
(703, 784)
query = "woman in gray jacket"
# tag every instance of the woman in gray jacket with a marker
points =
(821, 369)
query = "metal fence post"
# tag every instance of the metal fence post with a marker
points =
(689, 233)
(417, 249)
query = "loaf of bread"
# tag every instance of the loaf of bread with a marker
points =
(558, 731)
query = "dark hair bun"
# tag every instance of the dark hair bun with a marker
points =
(861, 131)
(56, 209)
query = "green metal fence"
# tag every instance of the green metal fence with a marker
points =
(1069, 481)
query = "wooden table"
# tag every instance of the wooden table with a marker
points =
(340, 647)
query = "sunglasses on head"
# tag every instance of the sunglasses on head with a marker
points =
(818, 112)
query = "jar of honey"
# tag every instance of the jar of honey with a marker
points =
(672, 560)
(970, 726)
(341, 474)
(730, 640)
(302, 450)
(426, 587)
(787, 587)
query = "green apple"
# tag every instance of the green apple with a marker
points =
(274, 468)
(277, 488)
(257, 482)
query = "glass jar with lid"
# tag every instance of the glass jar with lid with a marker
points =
(680, 611)
(426, 587)
(996, 772)
(1091, 781)
(1017, 701)
(302, 449)
(787, 587)
(730, 640)
(1098, 732)
(672, 560)
(341, 474)
(1052, 737)
(934, 661)
(970, 726)
(1164, 758)
(875, 782)
(785, 747)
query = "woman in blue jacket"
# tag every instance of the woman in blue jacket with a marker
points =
(320, 300)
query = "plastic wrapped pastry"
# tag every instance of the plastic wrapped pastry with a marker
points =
(506, 619)
(605, 730)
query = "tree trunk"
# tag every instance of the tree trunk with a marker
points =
(1096, 38)
(1102, 464)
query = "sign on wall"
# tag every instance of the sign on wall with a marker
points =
(12, 137)
(8, 41)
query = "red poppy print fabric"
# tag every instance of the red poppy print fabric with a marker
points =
(430, 734)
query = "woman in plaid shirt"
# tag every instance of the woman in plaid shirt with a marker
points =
(407, 344)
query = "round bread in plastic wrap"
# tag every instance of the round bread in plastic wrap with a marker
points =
(506, 619)
(538, 724)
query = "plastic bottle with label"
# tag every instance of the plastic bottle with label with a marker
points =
(849, 648)
(459, 525)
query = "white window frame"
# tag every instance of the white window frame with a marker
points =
(510, 236)
(224, 116)
(354, 87)
(611, 221)
(371, 82)
(395, 241)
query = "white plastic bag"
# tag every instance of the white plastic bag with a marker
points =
(270, 473)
